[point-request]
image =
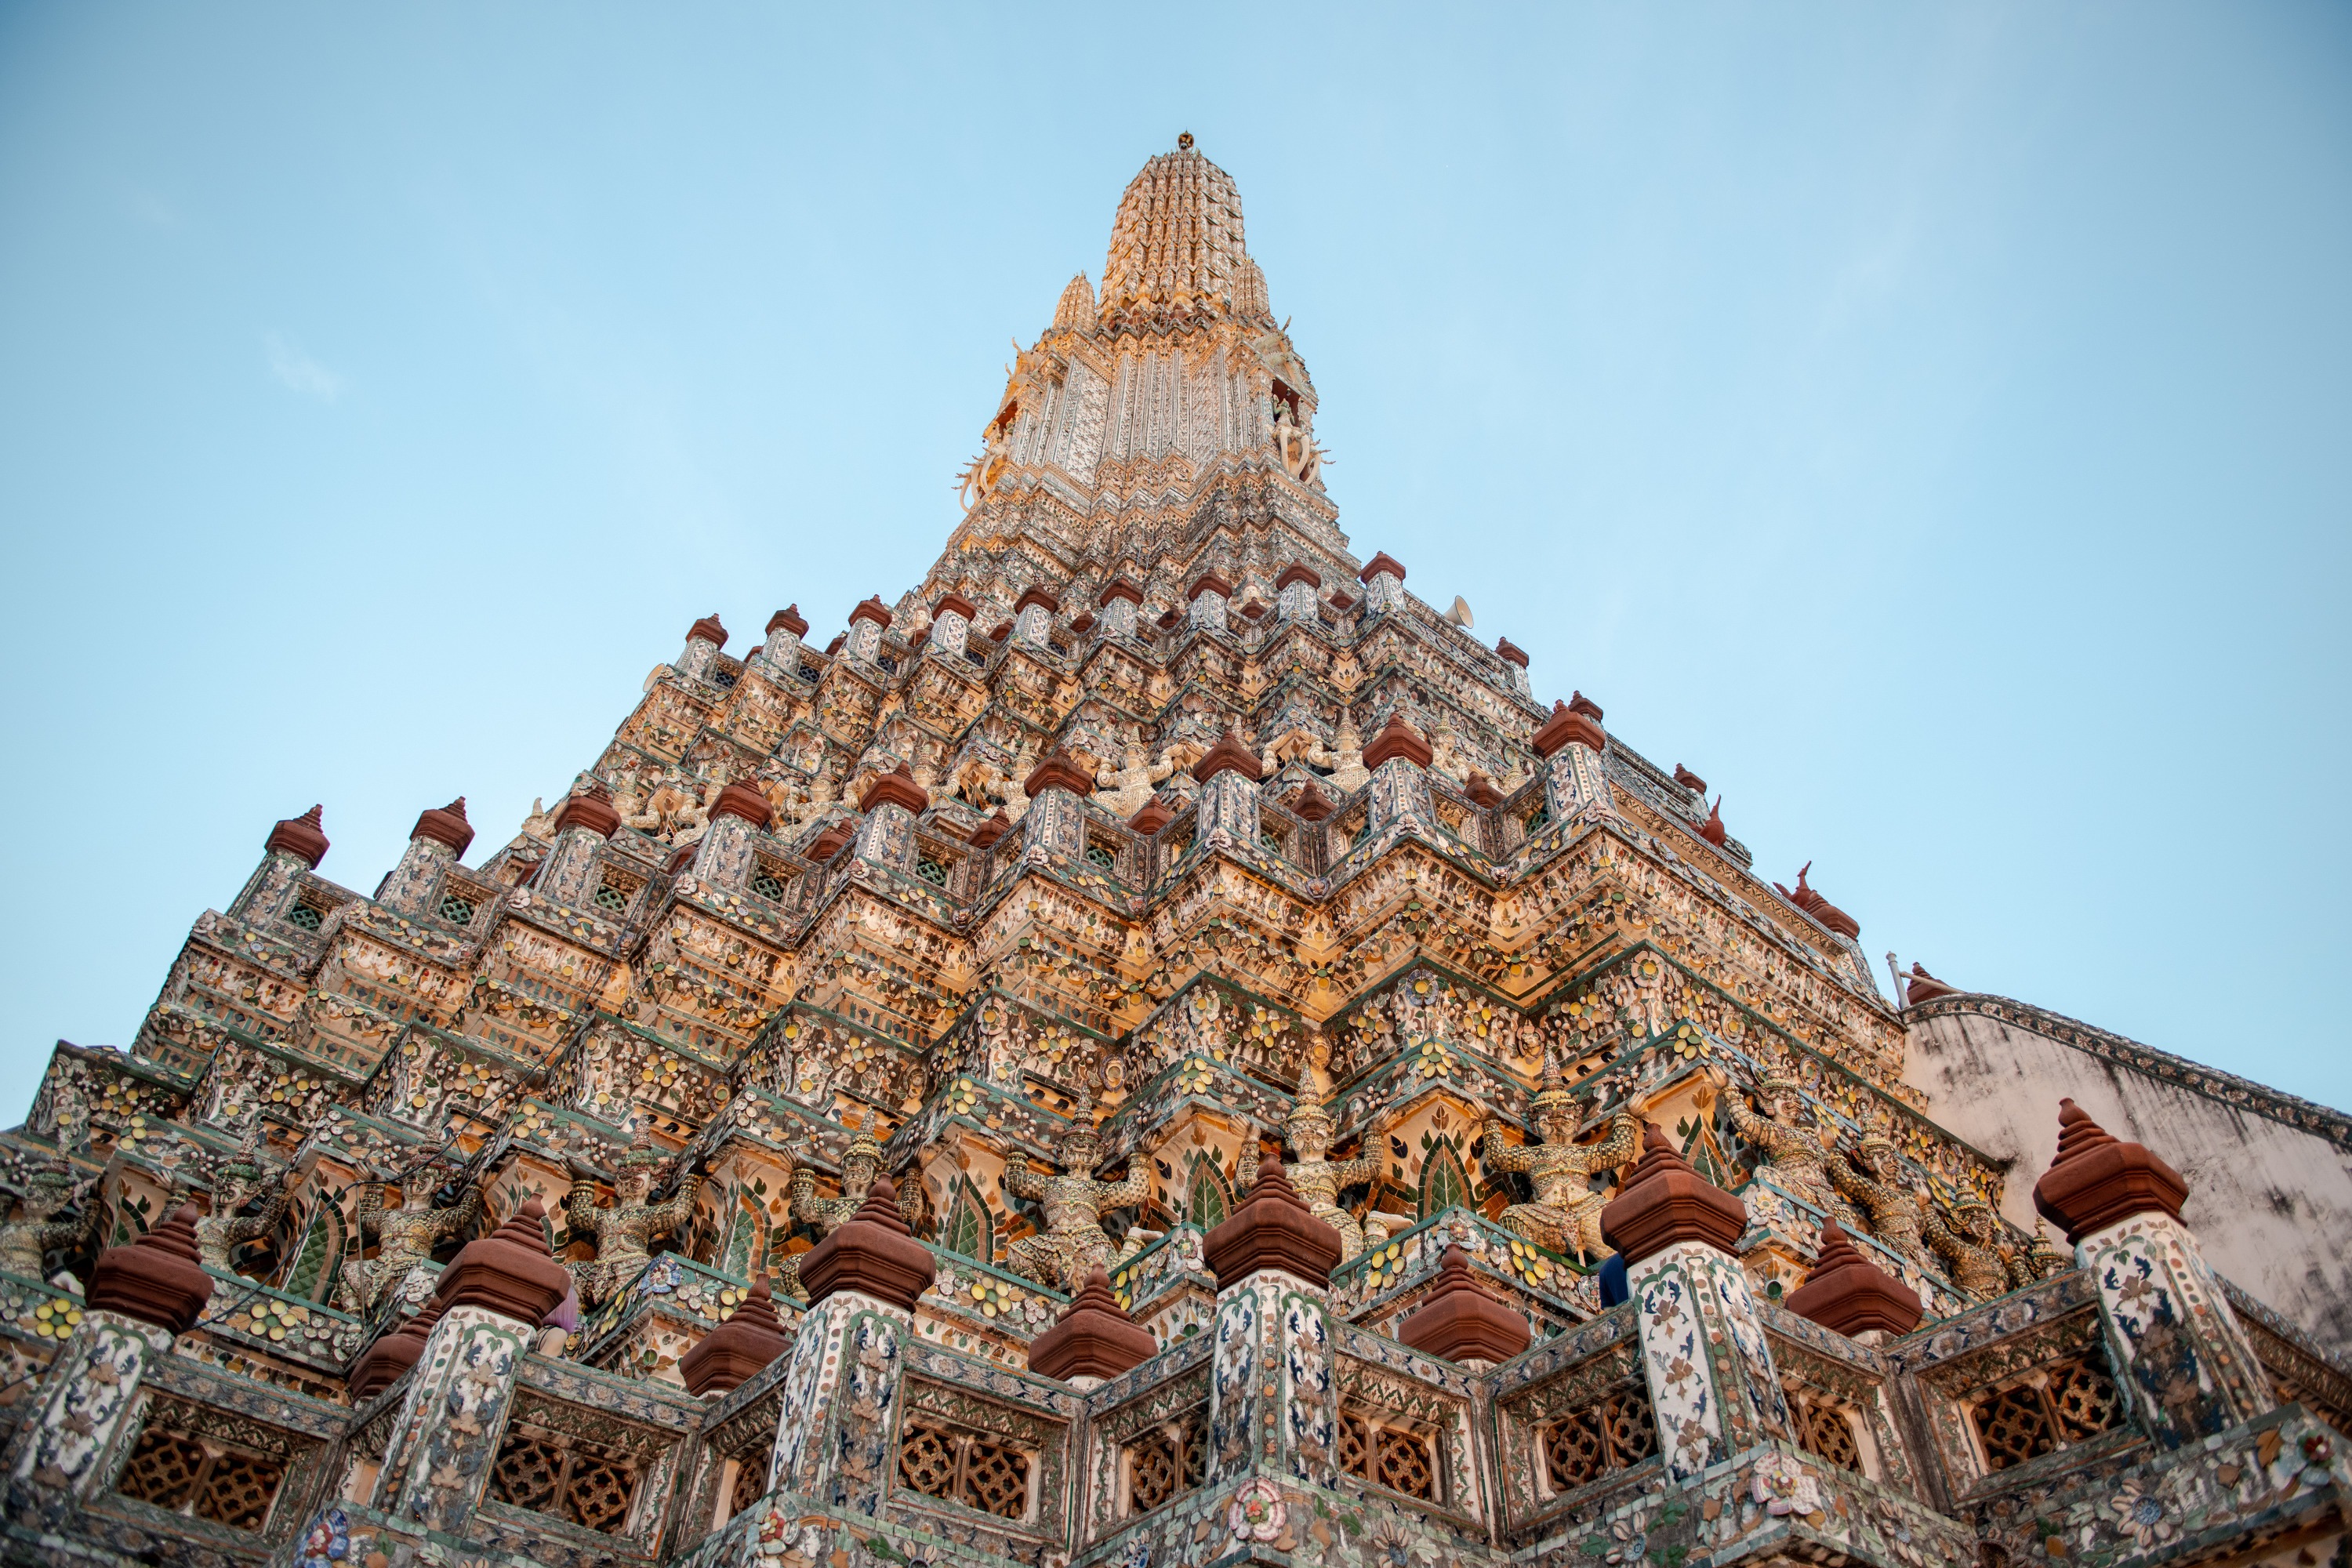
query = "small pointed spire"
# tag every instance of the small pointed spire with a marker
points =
(2097, 1180)
(304, 836)
(1094, 1338)
(737, 1350)
(1664, 1202)
(1461, 1320)
(1848, 1294)
(157, 1279)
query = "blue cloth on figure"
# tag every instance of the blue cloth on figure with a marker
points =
(1613, 1288)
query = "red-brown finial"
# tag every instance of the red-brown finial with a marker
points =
(2097, 1179)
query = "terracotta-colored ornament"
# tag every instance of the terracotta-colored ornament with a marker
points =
(1210, 582)
(1253, 611)
(1341, 603)
(1118, 588)
(1272, 1228)
(1578, 702)
(1094, 1338)
(826, 846)
(2097, 1179)
(1058, 770)
(1397, 739)
(156, 1279)
(707, 629)
(873, 610)
(1152, 817)
(1921, 986)
(1482, 791)
(1297, 572)
(387, 1361)
(1847, 1293)
(1311, 802)
(1170, 619)
(1664, 1201)
(1038, 597)
(1690, 780)
(989, 832)
(1713, 830)
(1228, 755)
(1461, 1320)
(446, 825)
(592, 810)
(896, 787)
(741, 800)
(1001, 631)
(1383, 562)
(1084, 623)
(840, 640)
(871, 1252)
(1511, 652)
(955, 603)
(737, 1348)
(790, 619)
(302, 835)
(1565, 725)
(510, 1272)
(1820, 907)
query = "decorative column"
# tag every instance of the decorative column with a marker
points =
(737, 1350)
(1515, 657)
(1272, 1402)
(1383, 581)
(1119, 601)
(868, 622)
(583, 822)
(778, 657)
(491, 1300)
(1209, 597)
(1228, 775)
(1399, 760)
(1032, 619)
(891, 804)
(1094, 1340)
(1712, 1384)
(2169, 1328)
(142, 1297)
(435, 844)
(295, 845)
(840, 1404)
(1575, 780)
(1294, 593)
(703, 641)
(951, 620)
(1057, 822)
(723, 857)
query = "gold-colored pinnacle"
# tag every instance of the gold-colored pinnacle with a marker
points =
(1184, 141)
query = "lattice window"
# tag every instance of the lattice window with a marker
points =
(307, 915)
(931, 870)
(1269, 840)
(1389, 1454)
(564, 1480)
(1539, 819)
(1825, 1427)
(1180, 846)
(1614, 1433)
(1101, 859)
(724, 677)
(1166, 1462)
(751, 1484)
(2063, 1403)
(768, 882)
(966, 1467)
(171, 1470)
(457, 908)
(614, 896)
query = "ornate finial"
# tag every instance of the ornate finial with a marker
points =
(1184, 141)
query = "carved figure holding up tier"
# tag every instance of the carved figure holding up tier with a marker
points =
(1970, 1248)
(246, 1176)
(860, 1164)
(1126, 788)
(625, 1231)
(1073, 1239)
(1317, 1178)
(1565, 1213)
(27, 1239)
(1795, 1156)
(1877, 1188)
(409, 1233)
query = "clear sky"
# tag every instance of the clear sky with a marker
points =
(1932, 425)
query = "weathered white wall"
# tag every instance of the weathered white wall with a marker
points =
(2271, 1204)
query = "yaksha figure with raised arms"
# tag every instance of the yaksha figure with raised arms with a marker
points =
(1969, 1246)
(1073, 1239)
(409, 1234)
(625, 1231)
(245, 1176)
(1795, 1156)
(860, 1164)
(1566, 1214)
(1317, 1178)
(27, 1239)
(1878, 1190)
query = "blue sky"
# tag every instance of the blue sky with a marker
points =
(1916, 420)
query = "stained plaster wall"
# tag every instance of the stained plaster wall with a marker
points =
(2271, 1204)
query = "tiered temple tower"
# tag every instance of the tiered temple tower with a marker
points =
(1152, 1046)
